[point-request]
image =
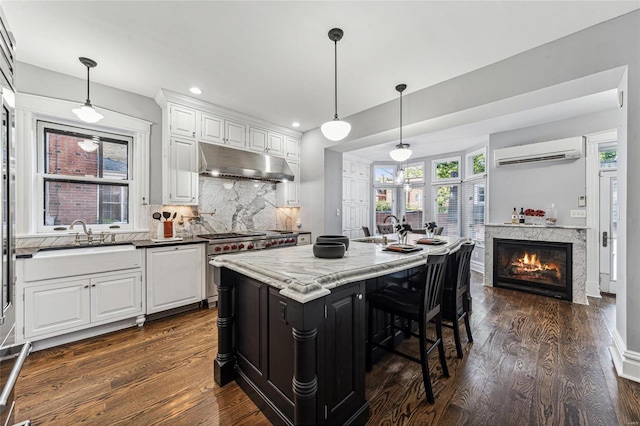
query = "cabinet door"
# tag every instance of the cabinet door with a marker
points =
(183, 172)
(292, 149)
(175, 276)
(346, 189)
(345, 351)
(235, 134)
(293, 188)
(346, 217)
(116, 297)
(182, 121)
(275, 144)
(56, 307)
(211, 128)
(362, 191)
(257, 139)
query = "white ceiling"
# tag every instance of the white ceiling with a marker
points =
(274, 60)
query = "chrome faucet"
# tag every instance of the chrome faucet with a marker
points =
(84, 228)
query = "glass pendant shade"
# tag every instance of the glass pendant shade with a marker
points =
(335, 130)
(401, 153)
(400, 177)
(88, 114)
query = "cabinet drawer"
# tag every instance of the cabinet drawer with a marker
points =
(304, 239)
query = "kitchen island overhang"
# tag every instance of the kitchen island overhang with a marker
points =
(291, 327)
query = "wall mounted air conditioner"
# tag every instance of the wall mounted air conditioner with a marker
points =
(561, 149)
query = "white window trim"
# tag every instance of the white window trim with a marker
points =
(434, 177)
(376, 184)
(32, 108)
(469, 163)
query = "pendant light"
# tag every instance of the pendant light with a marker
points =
(335, 130)
(402, 151)
(86, 112)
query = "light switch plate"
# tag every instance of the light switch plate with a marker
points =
(578, 213)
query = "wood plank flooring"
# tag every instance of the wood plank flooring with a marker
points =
(534, 361)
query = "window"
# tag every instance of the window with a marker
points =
(384, 174)
(413, 189)
(474, 210)
(385, 204)
(446, 208)
(86, 174)
(476, 164)
(608, 157)
(446, 169)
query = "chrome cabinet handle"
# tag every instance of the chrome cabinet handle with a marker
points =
(13, 376)
(604, 238)
(358, 296)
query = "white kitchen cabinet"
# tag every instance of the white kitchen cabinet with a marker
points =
(356, 193)
(292, 149)
(261, 140)
(288, 193)
(175, 276)
(54, 307)
(182, 172)
(219, 130)
(182, 121)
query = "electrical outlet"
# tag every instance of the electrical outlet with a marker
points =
(582, 201)
(578, 213)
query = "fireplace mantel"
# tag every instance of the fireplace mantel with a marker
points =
(576, 235)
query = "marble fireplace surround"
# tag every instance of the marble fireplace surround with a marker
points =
(576, 235)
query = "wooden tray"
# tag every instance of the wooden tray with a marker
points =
(430, 241)
(401, 249)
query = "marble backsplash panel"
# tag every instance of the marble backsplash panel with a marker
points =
(225, 205)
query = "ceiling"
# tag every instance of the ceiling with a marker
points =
(273, 59)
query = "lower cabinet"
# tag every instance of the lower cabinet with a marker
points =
(53, 307)
(264, 321)
(175, 276)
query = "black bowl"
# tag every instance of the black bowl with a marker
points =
(329, 250)
(334, 238)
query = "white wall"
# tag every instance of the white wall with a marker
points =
(536, 185)
(601, 48)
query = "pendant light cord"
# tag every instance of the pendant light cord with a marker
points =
(88, 97)
(335, 79)
(400, 118)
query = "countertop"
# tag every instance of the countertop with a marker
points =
(303, 277)
(526, 225)
(28, 252)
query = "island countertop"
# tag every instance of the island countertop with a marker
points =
(303, 277)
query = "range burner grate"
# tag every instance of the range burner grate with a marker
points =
(224, 235)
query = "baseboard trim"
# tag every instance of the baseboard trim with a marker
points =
(626, 363)
(593, 289)
(477, 266)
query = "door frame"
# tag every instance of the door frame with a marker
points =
(593, 207)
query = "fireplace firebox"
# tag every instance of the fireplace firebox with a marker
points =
(540, 267)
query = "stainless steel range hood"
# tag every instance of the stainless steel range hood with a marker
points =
(222, 161)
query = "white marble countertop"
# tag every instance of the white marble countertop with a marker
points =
(531, 225)
(303, 277)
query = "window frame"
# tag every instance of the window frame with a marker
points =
(33, 108)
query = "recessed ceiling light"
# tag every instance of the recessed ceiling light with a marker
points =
(196, 90)
(295, 124)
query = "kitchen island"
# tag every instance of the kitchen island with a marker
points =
(291, 327)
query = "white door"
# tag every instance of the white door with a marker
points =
(608, 230)
(116, 296)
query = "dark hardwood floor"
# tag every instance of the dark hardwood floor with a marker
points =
(534, 360)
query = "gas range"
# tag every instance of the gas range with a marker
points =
(234, 242)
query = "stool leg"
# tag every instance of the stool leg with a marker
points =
(456, 336)
(424, 362)
(443, 360)
(468, 326)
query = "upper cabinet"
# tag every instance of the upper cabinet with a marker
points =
(292, 148)
(182, 121)
(261, 140)
(218, 130)
(187, 121)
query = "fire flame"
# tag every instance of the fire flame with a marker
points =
(531, 263)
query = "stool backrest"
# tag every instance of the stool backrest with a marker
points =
(385, 229)
(366, 231)
(431, 293)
